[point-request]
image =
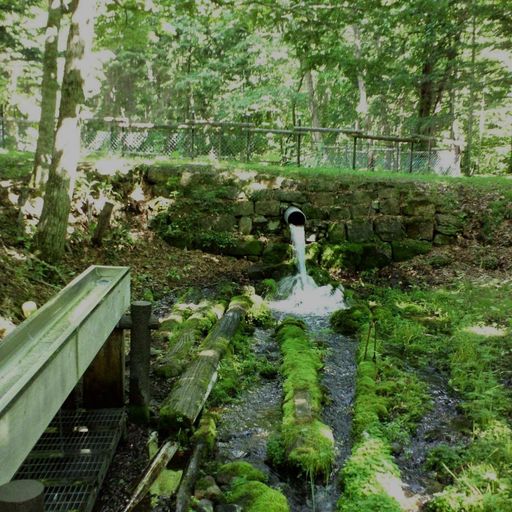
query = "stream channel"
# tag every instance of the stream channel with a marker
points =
(247, 425)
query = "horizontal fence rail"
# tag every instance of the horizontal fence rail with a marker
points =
(245, 142)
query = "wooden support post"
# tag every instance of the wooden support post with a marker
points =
(139, 361)
(103, 382)
(103, 224)
(22, 496)
(354, 154)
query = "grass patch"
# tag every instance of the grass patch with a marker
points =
(15, 165)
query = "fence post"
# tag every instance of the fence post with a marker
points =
(299, 136)
(410, 160)
(429, 161)
(140, 347)
(122, 139)
(397, 156)
(192, 140)
(112, 137)
(354, 154)
(248, 141)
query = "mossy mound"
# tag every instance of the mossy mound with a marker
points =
(239, 469)
(406, 249)
(348, 321)
(258, 497)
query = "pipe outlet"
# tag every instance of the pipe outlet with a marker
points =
(295, 216)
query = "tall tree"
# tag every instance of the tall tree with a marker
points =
(49, 89)
(51, 231)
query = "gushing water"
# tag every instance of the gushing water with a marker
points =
(299, 294)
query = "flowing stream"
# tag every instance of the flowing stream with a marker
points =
(247, 425)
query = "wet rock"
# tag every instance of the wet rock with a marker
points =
(340, 213)
(224, 222)
(247, 246)
(291, 196)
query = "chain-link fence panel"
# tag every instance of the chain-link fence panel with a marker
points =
(308, 147)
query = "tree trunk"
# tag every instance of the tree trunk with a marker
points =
(467, 161)
(103, 224)
(49, 89)
(51, 230)
(313, 106)
(362, 106)
(185, 402)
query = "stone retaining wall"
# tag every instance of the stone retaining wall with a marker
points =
(369, 223)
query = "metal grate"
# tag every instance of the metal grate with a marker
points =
(69, 498)
(72, 457)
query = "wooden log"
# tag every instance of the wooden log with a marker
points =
(103, 224)
(103, 381)
(158, 464)
(205, 441)
(22, 496)
(189, 478)
(186, 400)
(177, 357)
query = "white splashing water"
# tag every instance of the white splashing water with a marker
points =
(299, 294)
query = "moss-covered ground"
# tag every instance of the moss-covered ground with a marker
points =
(462, 331)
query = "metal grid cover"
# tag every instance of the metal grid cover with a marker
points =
(72, 457)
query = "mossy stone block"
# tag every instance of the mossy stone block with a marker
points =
(248, 246)
(418, 207)
(243, 208)
(407, 249)
(419, 228)
(360, 231)
(375, 256)
(291, 196)
(389, 228)
(337, 233)
(442, 239)
(245, 225)
(271, 207)
(341, 256)
(276, 252)
(340, 212)
(448, 224)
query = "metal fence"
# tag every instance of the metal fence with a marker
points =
(245, 142)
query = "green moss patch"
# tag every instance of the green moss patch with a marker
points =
(308, 444)
(258, 497)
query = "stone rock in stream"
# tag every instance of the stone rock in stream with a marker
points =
(231, 507)
(207, 489)
(203, 506)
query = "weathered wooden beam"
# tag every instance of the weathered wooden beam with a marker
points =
(22, 496)
(127, 323)
(158, 464)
